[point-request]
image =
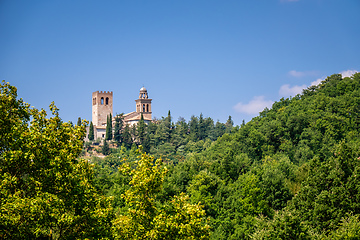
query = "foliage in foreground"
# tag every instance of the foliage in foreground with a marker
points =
(146, 218)
(45, 191)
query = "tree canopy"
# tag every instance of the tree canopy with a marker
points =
(289, 173)
(45, 190)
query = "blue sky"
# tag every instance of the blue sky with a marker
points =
(218, 58)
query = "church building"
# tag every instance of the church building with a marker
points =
(102, 106)
(143, 106)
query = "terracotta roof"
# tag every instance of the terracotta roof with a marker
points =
(135, 116)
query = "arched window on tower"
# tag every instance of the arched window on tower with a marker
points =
(107, 101)
(102, 101)
(147, 107)
(143, 108)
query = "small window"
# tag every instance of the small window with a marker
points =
(102, 101)
(147, 107)
(143, 108)
(94, 101)
(107, 101)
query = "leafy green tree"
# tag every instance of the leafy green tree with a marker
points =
(245, 202)
(145, 219)
(349, 229)
(91, 132)
(331, 190)
(203, 188)
(284, 225)
(274, 174)
(46, 192)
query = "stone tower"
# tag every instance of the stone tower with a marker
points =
(143, 104)
(102, 106)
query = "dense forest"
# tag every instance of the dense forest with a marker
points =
(290, 173)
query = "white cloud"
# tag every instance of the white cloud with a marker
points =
(256, 105)
(348, 73)
(286, 90)
(299, 74)
(316, 82)
(296, 73)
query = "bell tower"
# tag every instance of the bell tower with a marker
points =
(143, 104)
(102, 106)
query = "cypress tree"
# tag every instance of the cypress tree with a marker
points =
(141, 129)
(168, 127)
(229, 125)
(91, 132)
(201, 128)
(108, 135)
(118, 129)
(79, 121)
(194, 128)
(133, 132)
(107, 128)
(127, 140)
(105, 148)
(111, 128)
(243, 123)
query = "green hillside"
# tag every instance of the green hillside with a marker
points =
(295, 165)
(290, 173)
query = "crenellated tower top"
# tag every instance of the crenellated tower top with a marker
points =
(102, 106)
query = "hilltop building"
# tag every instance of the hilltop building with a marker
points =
(102, 106)
(143, 106)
